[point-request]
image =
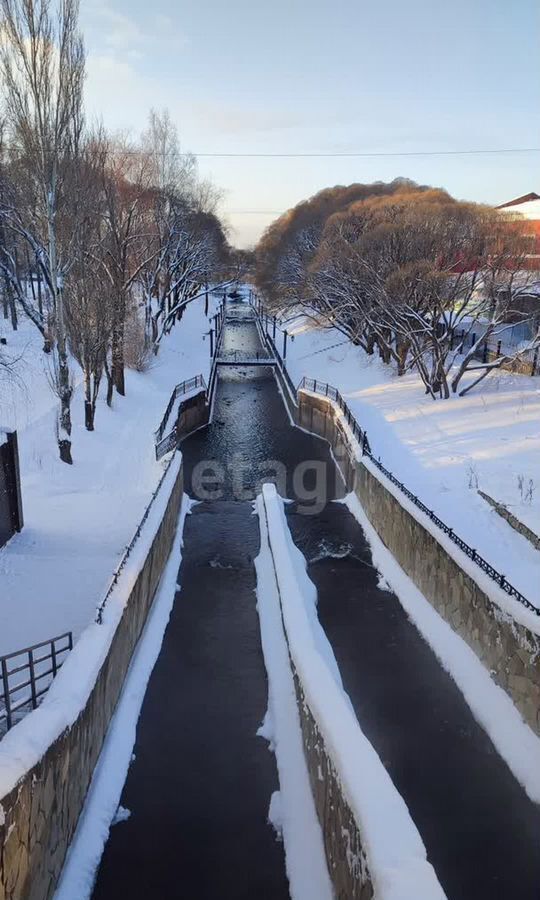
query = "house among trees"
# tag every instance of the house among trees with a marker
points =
(527, 211)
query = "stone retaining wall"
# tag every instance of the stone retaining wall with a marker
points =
(41, 813)
(346, 860)
(193, 413)
(317, 414)
(509, 650)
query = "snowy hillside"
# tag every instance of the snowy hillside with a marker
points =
(444, 450)
(79, 519)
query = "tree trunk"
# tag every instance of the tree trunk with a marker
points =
(39, 293)
(64, 391)
(63, 386)
(12, 309)
(118, 378)
(110, 384)
(89, 408)
(88, 415)
(402, 351)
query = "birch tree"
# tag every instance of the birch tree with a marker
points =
(42, 60)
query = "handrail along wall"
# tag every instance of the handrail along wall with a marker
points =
(35, 664)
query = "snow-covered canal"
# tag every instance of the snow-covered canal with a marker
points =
(200, 783)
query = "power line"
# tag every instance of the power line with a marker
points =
(364, 154)
(330, 155)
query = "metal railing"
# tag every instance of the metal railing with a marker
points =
(130, 546)
(327, 390)
(26, 675)
(213, 368)
(183, 388)
(269, 342)
(281, 363)
(244, 356)
(493, 348)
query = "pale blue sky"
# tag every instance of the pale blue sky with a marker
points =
(342, 76)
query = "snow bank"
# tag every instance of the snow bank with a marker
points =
(395, 852)
(490, 705)
(101, 809)
(79, 519)
(292, 809)
(23, 746)
(444, 450)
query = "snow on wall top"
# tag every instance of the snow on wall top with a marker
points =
(395, 852)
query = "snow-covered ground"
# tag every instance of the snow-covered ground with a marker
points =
(79, 519)
(444, 450)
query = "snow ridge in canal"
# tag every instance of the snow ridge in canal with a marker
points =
(292, 812)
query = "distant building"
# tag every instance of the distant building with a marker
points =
(527, 211)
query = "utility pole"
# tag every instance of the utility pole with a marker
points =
(284, 346)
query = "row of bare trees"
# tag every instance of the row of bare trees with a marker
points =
(407, 270)
(103, 241)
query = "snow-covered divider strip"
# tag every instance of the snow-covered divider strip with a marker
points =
(395, 854)
(506, 603)
(292, 809)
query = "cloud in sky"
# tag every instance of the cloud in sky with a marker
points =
(110, 30)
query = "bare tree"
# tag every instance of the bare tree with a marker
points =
(414, 273)
(126, 244)
(171, 172)
(89, 314)
(42, 60)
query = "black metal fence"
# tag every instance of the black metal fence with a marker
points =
(273, 350)
(281, 363)
(11, 514)
(327, 390)
(130, 546)
(183, 388)
(26, 675)
(244, 356)
(495, 347)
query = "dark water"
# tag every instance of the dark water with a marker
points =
(199, 788)
(250, 440)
